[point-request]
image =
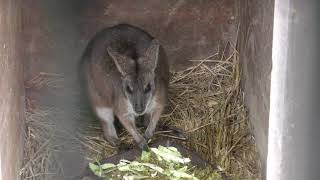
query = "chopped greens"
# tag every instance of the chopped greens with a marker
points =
(159, 163)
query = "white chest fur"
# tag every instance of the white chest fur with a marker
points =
(105, 114)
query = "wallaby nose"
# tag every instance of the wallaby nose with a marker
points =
(139, 110)
(139, 105)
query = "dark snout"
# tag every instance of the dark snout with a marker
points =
(139, 108)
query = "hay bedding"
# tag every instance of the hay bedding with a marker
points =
(206, 102)
(39, 161)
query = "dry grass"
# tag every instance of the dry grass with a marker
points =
(94, 145)
(43, 79)
(207, 103)
(38, 162)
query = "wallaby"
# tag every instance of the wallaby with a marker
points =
(126, 74)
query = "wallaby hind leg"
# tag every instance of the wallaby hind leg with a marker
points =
(107, 119)
(129, 123)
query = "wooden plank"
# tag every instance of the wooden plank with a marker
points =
(11, 91)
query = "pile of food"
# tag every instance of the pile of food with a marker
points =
(158, 163)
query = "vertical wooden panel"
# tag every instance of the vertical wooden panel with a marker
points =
(294, 146)
(11, 91)
(255, 46)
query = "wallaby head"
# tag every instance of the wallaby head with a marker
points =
(138, 76)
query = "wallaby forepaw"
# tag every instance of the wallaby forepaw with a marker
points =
(147, 136)
(143, 146)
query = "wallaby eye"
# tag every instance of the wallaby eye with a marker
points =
(129, 89)
(147, 89)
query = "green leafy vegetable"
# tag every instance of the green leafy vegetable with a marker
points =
(169, 155)
(145, 156)
(107, 166)
(97, 170)
(159, 163)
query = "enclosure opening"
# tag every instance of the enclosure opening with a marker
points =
(205, 100)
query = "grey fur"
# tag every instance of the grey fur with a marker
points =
(125, 69)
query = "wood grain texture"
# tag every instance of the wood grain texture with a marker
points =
(255, 47)
(11, 90)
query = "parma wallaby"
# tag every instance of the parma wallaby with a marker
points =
(126, 74)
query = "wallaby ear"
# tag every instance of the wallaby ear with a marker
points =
(124, 64)
(152, 54)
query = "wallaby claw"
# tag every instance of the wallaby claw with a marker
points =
(147, 136)
(143, 146)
